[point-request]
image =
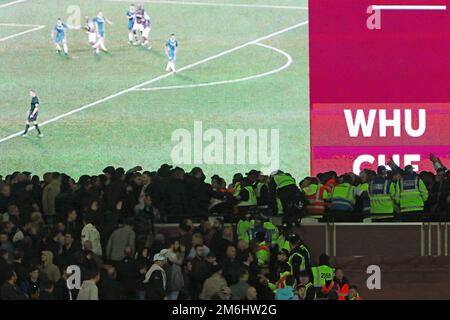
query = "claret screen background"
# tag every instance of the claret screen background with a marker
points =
(387, 70)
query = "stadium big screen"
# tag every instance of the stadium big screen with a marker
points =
(380, 73)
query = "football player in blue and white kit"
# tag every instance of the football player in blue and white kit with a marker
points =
(131, 18)
(59, 36)
(100, 25)
(171, 52)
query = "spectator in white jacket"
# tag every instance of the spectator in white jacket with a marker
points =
(90, 233)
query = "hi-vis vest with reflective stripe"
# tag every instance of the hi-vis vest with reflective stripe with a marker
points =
(321, 274)
(381, 192)
(237, 189)
(245, 230)
(316, 203)
(411, 193)
(252, 201)
(259, 186)
(343, 197)
(303, 258)
(272, 232)
(307, 286)
(283, 244)
(283, 180)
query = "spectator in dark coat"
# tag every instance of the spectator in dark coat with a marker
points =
(176, 196)
(115, 191)
(31, 285)
(262, 288)
(200, 271)
(19, 267)
(9, 290)
(47, 289)
(230, 266)
(128, 273)
(61, 291)
(199, 193)
(108, 287)
(186, 292)
(70, 251)
(186, 231)
(72, 224)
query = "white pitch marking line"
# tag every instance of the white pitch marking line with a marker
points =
(22, 33)
(117, 94)
(408, 7)
(19, 25)
(209, 84)
(11, 3)
(196, 3)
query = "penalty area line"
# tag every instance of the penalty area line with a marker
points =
(36, 28)
(224, 82)
(11, 3)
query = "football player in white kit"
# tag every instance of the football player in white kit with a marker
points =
(90, 31)
(145, 34)
(138, 26)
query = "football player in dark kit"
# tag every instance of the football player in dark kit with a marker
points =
(32, 114)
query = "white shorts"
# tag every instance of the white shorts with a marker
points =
(146, 32)
(138, 27)
(92, 37)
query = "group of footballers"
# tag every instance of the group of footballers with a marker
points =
(139, 27)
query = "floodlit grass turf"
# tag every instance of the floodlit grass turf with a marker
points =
(136, 128)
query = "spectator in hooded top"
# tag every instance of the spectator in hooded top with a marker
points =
(48, 268)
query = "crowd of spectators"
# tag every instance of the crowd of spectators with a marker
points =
(105, 224)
